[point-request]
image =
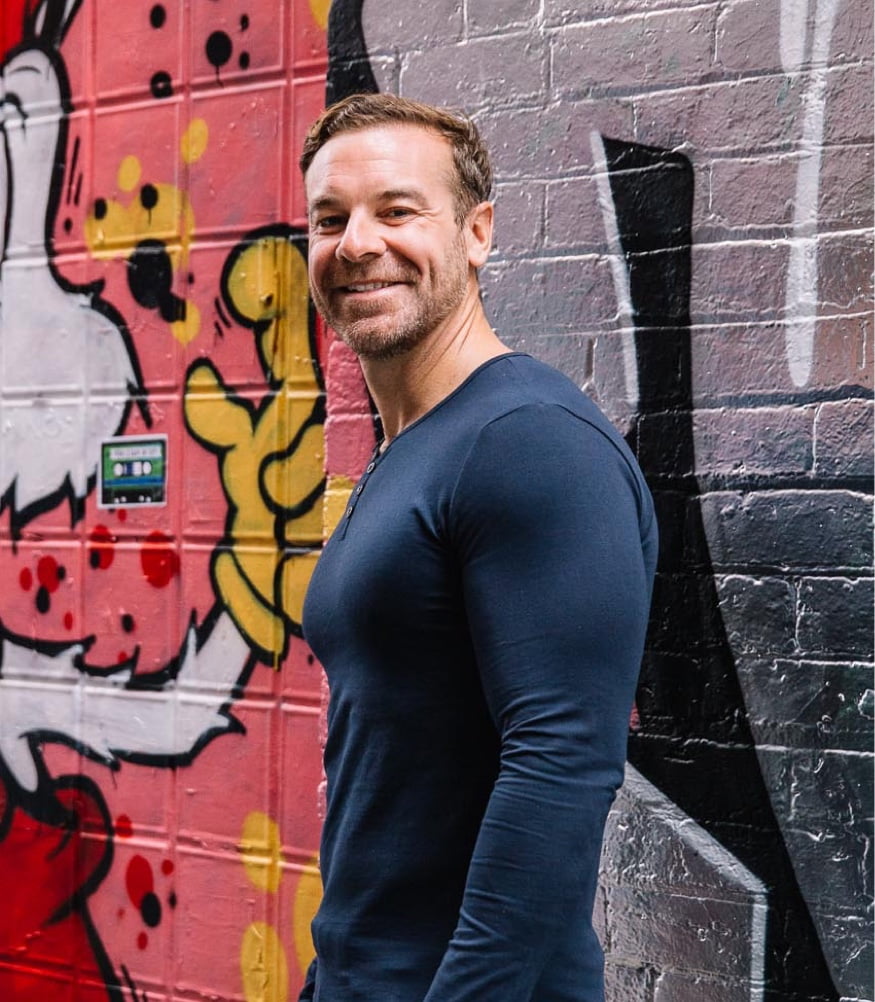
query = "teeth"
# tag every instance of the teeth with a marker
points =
(369, 286)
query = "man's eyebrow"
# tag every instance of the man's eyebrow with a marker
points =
(404, 194)
(325, 202)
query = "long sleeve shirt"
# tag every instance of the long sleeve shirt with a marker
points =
(480, 612)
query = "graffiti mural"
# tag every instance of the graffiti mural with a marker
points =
(723, 347)
(162, 408)
(683, 205)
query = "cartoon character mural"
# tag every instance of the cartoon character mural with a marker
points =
(139, 633)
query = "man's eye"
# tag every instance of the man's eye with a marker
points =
(327, 223)
(399, 212)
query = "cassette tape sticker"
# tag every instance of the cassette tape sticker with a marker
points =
(133, 472)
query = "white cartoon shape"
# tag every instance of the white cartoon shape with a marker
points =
(66, 366)
(46, 698)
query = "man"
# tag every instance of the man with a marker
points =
(480, 610)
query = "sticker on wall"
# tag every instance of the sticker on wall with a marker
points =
(133, 472)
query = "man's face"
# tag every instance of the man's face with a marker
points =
(388, 261)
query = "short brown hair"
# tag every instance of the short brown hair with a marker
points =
(472, 182)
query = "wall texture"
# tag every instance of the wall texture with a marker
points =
(684, 200)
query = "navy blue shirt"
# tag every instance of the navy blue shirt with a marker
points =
(480, 613)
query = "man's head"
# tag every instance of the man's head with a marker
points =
(397, 230)
(472, 181)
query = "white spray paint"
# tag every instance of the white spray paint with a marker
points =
(45, 699)
(801, 294)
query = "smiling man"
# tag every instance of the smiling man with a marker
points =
(480, 611)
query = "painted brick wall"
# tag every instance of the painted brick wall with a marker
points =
(684, 200)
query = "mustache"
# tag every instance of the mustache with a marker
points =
(358, 276)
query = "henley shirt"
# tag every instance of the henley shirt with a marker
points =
(480, 613)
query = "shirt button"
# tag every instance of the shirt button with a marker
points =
(370, 468)
(349, 511)
(359, 489)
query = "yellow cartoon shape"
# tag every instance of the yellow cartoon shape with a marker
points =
(271, 453)
(152, 232)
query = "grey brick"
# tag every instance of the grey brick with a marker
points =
(677, 986)
(628, 984)
(759, 614)
(846, 187)
(789, 529)
(519, 218)
(761, 113)
(739, 282)
(751, 192)
(390, 28)
(547, 297)
(574, 217)
(694, 934)
(843, 347)
(835, 860)
(764, 440)
(746, 36)
(550, 142)
(630, 52)
(802, 704)
(852, 34)
(493, 72)
(851, 947)
(564, 12)
(495, 15)
(843, 435)
(848, 105)
(742, 359)
(836, 616)
(845, 263)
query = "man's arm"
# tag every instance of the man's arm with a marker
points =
(547, 516)
(307, 992)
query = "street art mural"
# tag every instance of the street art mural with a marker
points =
(754, 712)
(683, 205)
(162, 464)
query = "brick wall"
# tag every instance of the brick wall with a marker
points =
(684, 204)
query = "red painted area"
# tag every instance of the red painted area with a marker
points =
(138, 879)
(25, 578)
(124, 827)
(159, 561)
(68, 620)
(49, 574)
(142, 941)
(43, 867)
(167, 867)
(101, 549)
(12, 14)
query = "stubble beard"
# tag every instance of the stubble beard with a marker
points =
(382, 337)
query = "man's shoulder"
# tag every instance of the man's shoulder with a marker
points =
(518, 381)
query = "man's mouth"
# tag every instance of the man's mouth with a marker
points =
(367, 286)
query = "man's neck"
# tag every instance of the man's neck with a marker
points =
(408, 386)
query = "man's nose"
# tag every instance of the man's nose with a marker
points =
(361, 238)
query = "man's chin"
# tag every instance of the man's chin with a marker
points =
(374, 343)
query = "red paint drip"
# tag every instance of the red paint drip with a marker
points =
(122, 514)
(167, 867)
(138, 880)
(25, 578)
(47, 574)
(159, 560)
(142, 941)
(124, 827)
(100, 552)
(121, 657)
(68, 620)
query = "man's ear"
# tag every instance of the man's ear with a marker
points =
(478, 234)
